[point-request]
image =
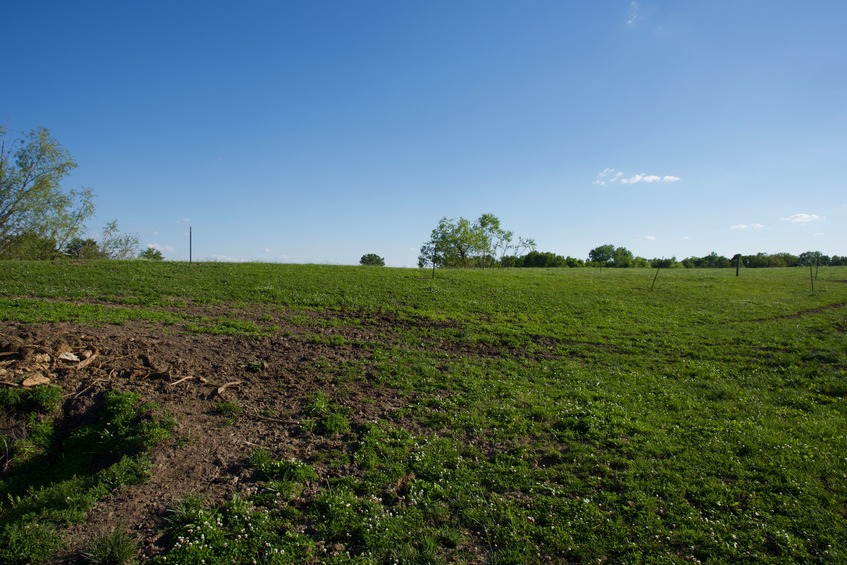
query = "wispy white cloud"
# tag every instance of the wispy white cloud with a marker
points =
(746, 227)
(802, 218)
(162, 248)
(612, 176)
(225, 259)
(650, 237)
(184, 221)
(634, 14)
(641, 178)
(607, 175)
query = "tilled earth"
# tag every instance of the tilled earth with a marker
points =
(188, 375)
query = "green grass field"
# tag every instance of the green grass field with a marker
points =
(557, 415)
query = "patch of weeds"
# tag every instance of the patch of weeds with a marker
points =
(112, 548)
(334, 424)
(35, 436)
(383, 510)
(331, 419)
(283, 479)
(281, 469)
(333, 460)
(256, 366)
(382, 455)
(27, 542)
(235, 532)
(319, 404)
(308, 425)
(334, 340)
(59, 485)
(127, 471)
(338, 512)
(229, 408)
(41, 399)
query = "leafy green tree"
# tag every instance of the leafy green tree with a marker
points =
(809, 258)
(602, 256)
(710, 261)
(372, 260)
(610, 256)
(663, 263)
(544, 260)
(79, 248)
(151, 254)
(622, 258)
(451, 244)
(573, 262)
(28, 245)
(715, 261)
(761, 260)
(460, 243)
(641, 262)
(117, 245)
(509, 261)
(489, 234)
(33, 207)
(430, 255)
(523, 244)
(497, 243)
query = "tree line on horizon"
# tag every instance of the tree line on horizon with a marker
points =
(623, 258)
(485, 244)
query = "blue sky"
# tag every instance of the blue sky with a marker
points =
(323, 130)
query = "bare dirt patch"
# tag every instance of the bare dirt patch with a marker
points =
(269, 379)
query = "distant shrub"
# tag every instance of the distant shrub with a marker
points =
(372, 260)
(151, 254)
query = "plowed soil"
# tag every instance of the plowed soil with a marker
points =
(189, 374)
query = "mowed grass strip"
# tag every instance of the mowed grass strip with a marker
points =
(570, 415)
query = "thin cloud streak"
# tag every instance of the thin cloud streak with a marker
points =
(746, 227)
(634, 14)
(802, 218)
(162, 248)
(611, 176)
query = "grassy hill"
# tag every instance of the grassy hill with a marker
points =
(304, 413)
